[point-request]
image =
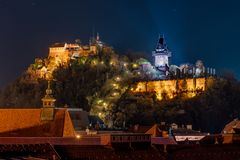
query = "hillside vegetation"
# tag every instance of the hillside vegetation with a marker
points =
(101, 84)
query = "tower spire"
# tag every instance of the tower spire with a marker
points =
(97, 38)
(48, 91)
(48, 106)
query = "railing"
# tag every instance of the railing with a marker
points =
(82, 140)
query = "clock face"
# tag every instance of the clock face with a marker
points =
(160, 50)
(161, 60)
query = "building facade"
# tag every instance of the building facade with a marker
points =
(63, 52)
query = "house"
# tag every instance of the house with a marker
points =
(38, 122)
(231, 132)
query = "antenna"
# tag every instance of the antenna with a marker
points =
(97, 38)
(93, 32)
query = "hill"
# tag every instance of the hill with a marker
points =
(102, 83)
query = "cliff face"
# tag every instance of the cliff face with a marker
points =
(171, 88)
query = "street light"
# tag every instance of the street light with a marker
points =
(115, 94)
(115, 85)
(99, 101)
(135, 65)
(78, 136)
(104, 104)
(118, 78)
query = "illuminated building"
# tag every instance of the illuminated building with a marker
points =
(47, 121)
(168, 81)
(61, 54)
(162, 56)
(168, 89)
(48, 105)
(231, 132)
(65, 51)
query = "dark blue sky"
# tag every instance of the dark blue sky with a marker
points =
(206, 29)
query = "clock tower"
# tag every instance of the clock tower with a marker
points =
(162, 55)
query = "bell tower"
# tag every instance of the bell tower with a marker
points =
(48, 106)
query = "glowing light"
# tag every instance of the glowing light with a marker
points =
(99, 114)
(115, 94)
(115, 85)
(125, 64)
(118, 78)
(78, 136)
(169, 88)
(161, 60)
(134, 65)
(94, 62)
(99, 101)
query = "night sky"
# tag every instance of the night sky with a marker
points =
(208, 29)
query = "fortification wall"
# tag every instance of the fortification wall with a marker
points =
(171, 88)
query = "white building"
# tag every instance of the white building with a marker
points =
(162, 56)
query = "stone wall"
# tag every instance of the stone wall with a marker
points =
(171, 88)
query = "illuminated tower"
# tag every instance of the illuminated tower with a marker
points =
(48, 105)
(162, 55)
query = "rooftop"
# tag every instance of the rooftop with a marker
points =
(232, 126)
(27, 123)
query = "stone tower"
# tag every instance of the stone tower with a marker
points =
(162, 55)
(48, 101)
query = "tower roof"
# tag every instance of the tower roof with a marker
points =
(48, 95)
(232, 127)
(161, 48)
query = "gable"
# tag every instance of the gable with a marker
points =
(27, 123)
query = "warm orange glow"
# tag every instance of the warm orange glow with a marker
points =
(118, 78)
(78, 136)
(134, 65)
(170, 88)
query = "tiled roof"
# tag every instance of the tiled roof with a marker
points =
(229, 128)
(155, 131)
(27, 123)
